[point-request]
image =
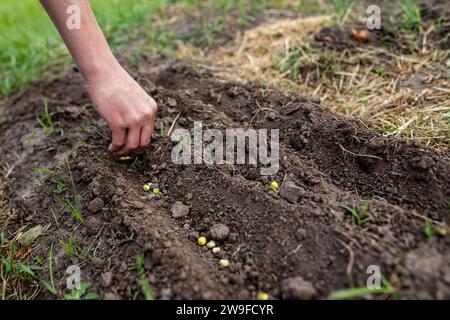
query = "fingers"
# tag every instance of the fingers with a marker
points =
(133, 139)
(136, 139)
(137, 134)
(146, 133)
(118, 140)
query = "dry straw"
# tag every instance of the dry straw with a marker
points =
(405, 95)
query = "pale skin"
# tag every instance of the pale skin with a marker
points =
(127, 109)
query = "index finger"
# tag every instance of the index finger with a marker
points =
(118, 140)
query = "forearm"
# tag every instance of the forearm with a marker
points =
(127, 109)
(87, 44)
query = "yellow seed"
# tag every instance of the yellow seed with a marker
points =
(274, 185)
(124, 158)
(156, 190)
(215, 250)
(224, 263)
(263, 296)
(211, 244)
(146, 187)
(441, 231)
(202, 241)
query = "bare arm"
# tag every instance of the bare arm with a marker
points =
(124, 105)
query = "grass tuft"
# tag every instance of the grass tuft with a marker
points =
(342, 9)
(358, 215)
(353, 293)
(81, 293)
(142, 279)
(411, 15)
(45, 121)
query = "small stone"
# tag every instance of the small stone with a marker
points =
(172, 102)
(156, 256)
(301, 234)
(194, 236)
(97, 186)
(166, 293)
(96, 205)
(297, 288)
(111, 296)
(93, 225)
(291, 192)
(233, 237)
(208, 295)
(98, 262)
(123, 267)
(29, 236)
(219, 231)
(107, 278)
(425, 163)
(315, 99)
(121, 181)
(447, 276)
(424, 261)
(179, 209)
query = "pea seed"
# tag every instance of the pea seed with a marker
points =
(274, 185)
(224, 263)
(263, 296)
(211, 244)
(215, 250)
(202, 241)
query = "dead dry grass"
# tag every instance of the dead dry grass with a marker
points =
(16, 279)
(6, 215)
(406, 96)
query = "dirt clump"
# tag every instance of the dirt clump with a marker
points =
(219, 231)
(179, 210)
(297, 289)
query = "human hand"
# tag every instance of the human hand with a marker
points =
(127, 109)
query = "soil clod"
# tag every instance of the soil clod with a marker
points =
(179, 209)
(96, 205)
(291, 192)
(219, 231)
(297, 288)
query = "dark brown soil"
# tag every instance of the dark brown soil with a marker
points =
(334, 160)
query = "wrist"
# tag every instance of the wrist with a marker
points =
(101, 69)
